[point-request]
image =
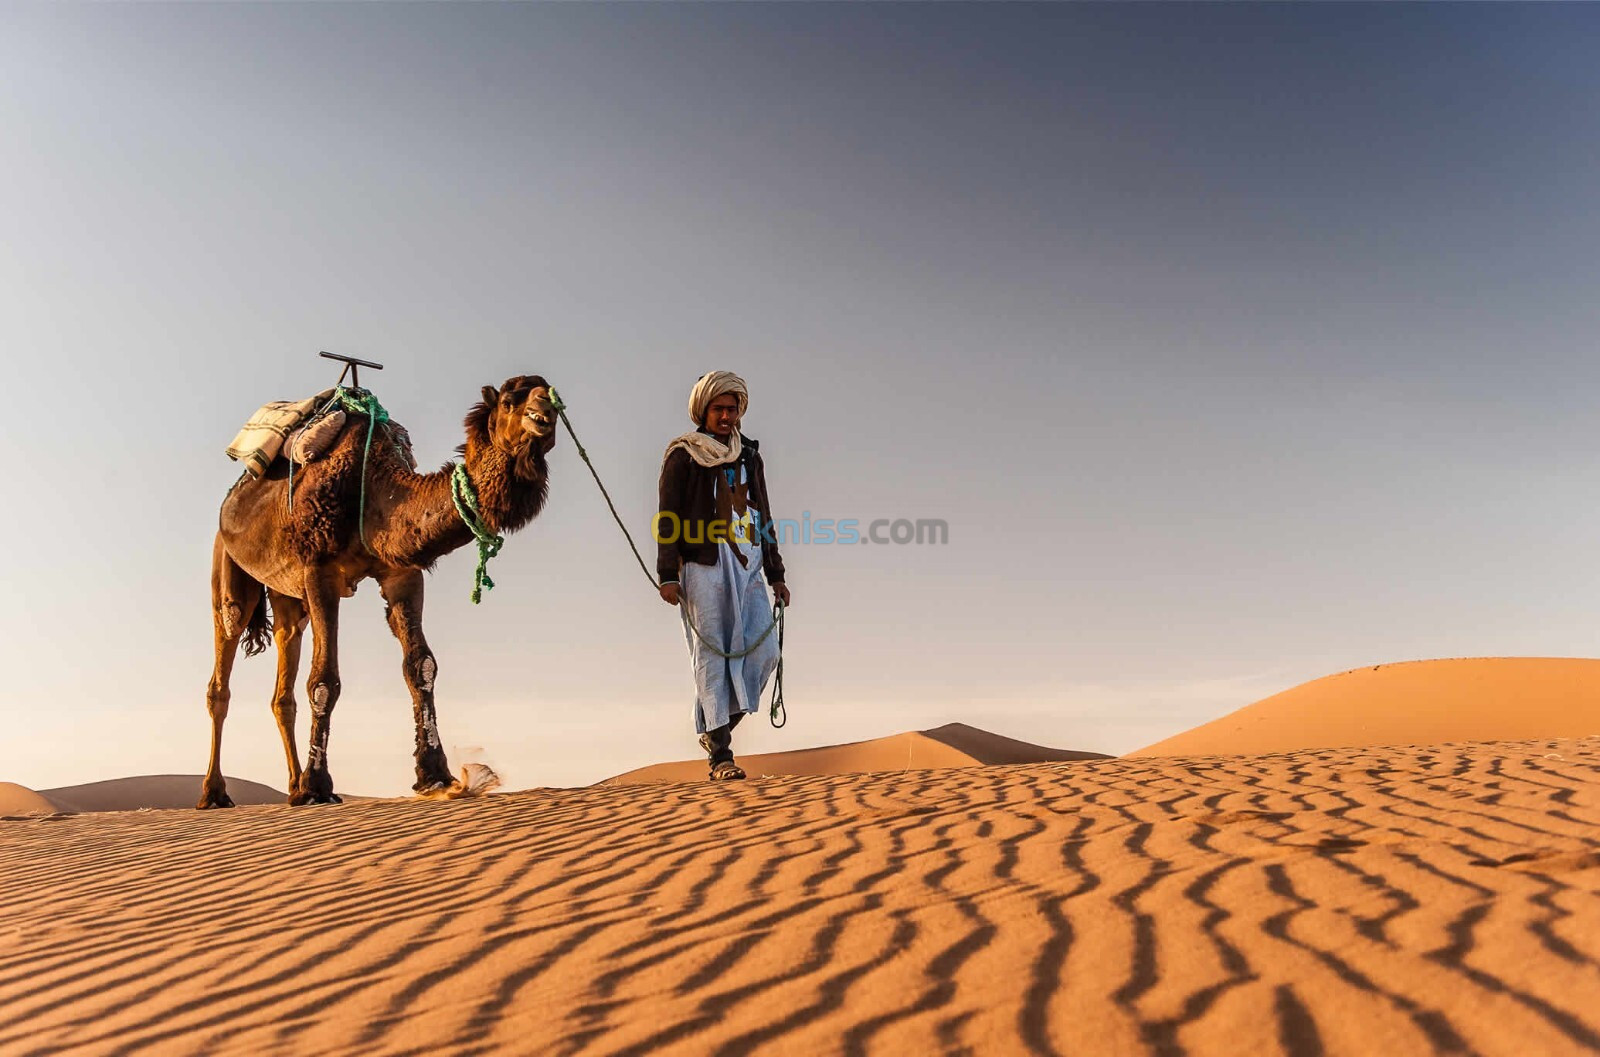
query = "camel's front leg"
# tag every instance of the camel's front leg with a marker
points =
(403, 593)
(322, 603)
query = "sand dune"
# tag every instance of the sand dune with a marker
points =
(144, 792)
(952, 745)
(20, 800)
(1411, 703)
(1393, 901)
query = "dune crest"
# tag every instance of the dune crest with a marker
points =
(1410, 703)
(952, 745)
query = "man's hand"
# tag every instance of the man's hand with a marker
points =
(782, 592)
(669, 594)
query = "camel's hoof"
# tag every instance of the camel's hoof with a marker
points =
(315, 798)
(211, 800)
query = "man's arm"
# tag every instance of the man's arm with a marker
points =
(670, 499)
(771, 560)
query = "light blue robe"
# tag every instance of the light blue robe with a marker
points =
(730, 605)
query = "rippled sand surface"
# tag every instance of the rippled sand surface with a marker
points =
(1352, 901)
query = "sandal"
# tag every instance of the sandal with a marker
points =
(727, 771)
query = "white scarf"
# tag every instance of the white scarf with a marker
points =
(705, 449)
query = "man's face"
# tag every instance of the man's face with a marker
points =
(722, 416)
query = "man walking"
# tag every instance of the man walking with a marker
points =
(715, 555)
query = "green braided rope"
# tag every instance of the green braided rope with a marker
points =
(361, 402)
(489, 544)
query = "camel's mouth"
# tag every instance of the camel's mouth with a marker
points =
(539, 417)
(539, 422)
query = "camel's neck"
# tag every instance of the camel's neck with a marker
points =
(510, 488)
(423, 525)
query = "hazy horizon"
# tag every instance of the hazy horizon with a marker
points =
(1237, 344)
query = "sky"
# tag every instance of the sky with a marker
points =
(1237, 344)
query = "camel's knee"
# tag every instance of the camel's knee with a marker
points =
(217, 697)
(324, 695)
(424, 670)
(231, 619)
(284, 708)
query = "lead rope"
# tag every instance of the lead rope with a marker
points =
(778, 715)
(465, 498)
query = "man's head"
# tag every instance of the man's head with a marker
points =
(718, 402)
(722, 416)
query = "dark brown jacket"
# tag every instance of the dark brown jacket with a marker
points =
(689, 490)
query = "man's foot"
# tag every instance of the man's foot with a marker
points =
(727, 771)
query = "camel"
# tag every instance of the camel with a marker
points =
(303, 558)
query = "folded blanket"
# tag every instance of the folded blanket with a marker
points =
(261, 440)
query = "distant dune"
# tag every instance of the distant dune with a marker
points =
(952, 745)
(20, 800)
(1410, 703)
(155, 791)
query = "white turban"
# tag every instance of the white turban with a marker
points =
(702, 447)
(712, 385)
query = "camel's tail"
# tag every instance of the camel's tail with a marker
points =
(258, 633)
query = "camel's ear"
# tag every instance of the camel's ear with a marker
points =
(491, 395)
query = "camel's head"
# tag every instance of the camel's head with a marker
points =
(518, 416)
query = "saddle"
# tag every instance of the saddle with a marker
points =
(300, 430)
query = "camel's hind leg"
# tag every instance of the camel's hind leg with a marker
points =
(288, 626)
(403, 593)
(235, 599)
(322, 604)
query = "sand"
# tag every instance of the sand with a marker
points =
(1411, 703)
(952, 745)
(1394, 901)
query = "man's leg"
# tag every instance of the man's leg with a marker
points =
(718, 743)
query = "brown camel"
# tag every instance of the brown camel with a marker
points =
(306, 556)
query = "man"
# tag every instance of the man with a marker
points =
(714, 559)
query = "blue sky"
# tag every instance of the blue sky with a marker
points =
(1238, 344)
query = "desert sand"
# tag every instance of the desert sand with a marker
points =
(1411, 703)
(1331, 901)
(952, 745)
(1422, 898)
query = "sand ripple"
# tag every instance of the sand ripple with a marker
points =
(1334, 901)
